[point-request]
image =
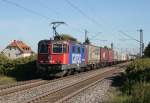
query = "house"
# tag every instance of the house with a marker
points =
(17, 49)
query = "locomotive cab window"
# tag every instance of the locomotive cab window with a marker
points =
(57, 48)
(43, 48)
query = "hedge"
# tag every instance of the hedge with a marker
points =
(21, 68)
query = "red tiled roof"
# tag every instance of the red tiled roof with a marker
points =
(21, 45)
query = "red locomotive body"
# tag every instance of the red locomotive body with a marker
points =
(51, 52)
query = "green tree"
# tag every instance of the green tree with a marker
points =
(147, 51)
(87, 41)
(68, 37)
(65, 37)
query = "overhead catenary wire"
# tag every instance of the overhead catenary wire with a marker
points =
(83, 13)
(86, 15)
(47, 17)
(26, 9)
(128, 36)
(32, 11)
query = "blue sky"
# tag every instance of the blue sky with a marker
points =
(111, 15)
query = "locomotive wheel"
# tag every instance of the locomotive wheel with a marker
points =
(70, 72)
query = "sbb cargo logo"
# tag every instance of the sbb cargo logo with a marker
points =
(76, 58)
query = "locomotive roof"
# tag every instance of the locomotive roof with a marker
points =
(48, 41)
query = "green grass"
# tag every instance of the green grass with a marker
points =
(117, 97)
(7, 80)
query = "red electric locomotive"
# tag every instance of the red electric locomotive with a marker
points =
(52, 56)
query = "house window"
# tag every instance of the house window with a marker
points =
(10, 48)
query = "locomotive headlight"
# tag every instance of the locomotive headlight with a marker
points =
(49, 57)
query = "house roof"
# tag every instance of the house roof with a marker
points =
(21, 46)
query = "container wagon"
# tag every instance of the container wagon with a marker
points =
(92, 56)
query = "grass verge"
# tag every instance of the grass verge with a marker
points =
(7, 80)
(134, 84)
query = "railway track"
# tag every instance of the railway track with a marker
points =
(11, 88)
(55, 96)
(8, 89)
(43, 90)
(21, 86)
(74, 95)
(73, 89)
(6, 86)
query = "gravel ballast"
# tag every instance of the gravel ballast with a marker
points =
(98, 93)
(24, 95)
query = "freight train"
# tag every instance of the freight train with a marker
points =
(66, 57)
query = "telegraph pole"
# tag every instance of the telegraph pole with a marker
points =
(141, 42)
(85, 34)
(112, 45)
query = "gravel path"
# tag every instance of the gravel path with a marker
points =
(94, 94)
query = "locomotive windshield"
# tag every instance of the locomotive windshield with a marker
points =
(59, 48)
(43, 48)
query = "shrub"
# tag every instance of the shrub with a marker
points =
(147, 51)
(139, 70)
(21, 68)
(3, 64)
(136, 86)
(140, 93)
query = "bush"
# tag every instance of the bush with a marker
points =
(21, 68)
(138, 65)
(140, 93)
(147, 51)
(3, 64)
(138, 71)
(136, 86)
